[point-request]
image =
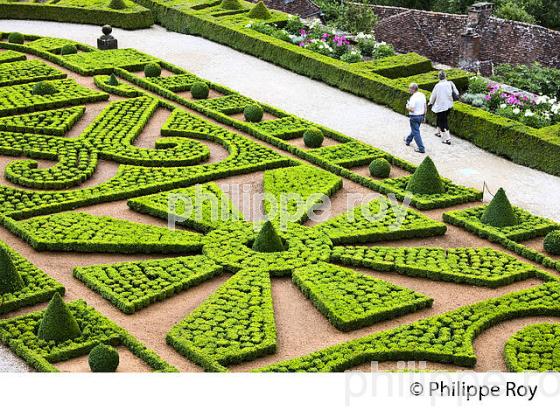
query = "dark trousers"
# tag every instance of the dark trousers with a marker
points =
(441, 120)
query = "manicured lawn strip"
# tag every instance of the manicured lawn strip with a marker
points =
(83, 12)
(19, 335)
(534, 349)
(201, 207)
(530, 226)
(475, 266)
(131, 286)
(445, 338)
(379, 220)
(235, 324)
(351, 300)
(82, 232)
(38, 286)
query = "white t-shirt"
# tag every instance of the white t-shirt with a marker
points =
(442, 96)
(417, 103)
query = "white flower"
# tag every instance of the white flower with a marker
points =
(529, 113)
(541, 99)
(502, 106)
(516, 111)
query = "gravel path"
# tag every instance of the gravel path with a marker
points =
(357, 117)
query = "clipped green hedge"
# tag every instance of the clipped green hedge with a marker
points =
(475, 266)
(351, 300)
(37, 285)
(91, 12)
(444, 338)
(529, 226)
(131, 286)
(534, 348)
(82, 232)
(19, 335)
(238, 320)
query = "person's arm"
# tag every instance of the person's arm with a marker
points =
(433, 96)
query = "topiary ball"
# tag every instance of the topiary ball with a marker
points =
(380, 168)
(200, 90)
(313, 137)
(552, 243)
(152, 70)
(68, 49)
(43, 88)
(117, 4)
(253, 113)
(103, 358)
(16, 38)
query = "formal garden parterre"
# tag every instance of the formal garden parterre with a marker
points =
(344, 266)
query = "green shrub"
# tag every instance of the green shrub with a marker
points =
(380, 168)
(383, 50)
(44, 88)
(117, 4)
(57, 323)
(499, 211)
(313, 137)
(268, 240)
(552, 243)
(103, 358)
(351, 57)
(426, 179)
(530, 77)
(477, 85)
(16, 38)
(259, 11)
(200, 90)
(68, 49)
(152, 70)
(511, 10)
(10, 280)
(357, 17)
(231, 5)
(253, 113)
(113, 80)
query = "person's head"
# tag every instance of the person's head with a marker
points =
(412, 88)
(442, 76)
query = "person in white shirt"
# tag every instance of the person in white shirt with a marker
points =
(416, 108)
(441, 102)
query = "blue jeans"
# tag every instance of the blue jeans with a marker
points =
(415, 121)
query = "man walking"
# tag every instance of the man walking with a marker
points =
(416, 108)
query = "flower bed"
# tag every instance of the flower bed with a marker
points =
(326, 41)
(537, 111)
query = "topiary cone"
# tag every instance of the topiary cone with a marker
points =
(58, 324)
(231, 5)
(426, 179)
(113, 80)
(260, 11)
(10, 280)
(268, 240)
(499, 211)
